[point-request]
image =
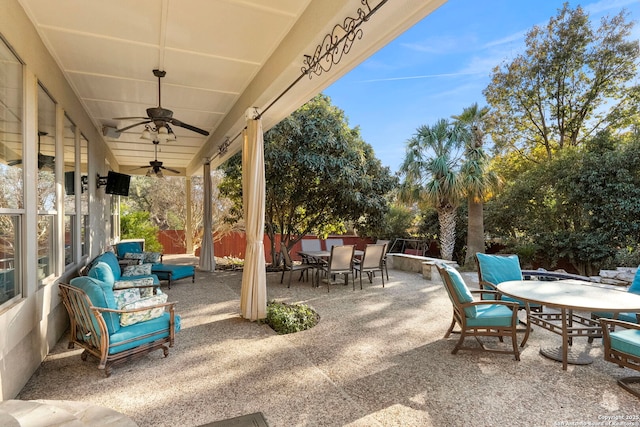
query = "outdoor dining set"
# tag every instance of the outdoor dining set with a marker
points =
(335, 260)
(551, 301)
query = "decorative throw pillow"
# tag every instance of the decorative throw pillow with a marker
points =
(126, 296)
(137, 270)
(127, 319)
(151, 257)
(134, 256)
(144, 283)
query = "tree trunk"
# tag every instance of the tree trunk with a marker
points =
(447, 220)
(475, 230)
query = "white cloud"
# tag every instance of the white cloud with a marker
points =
(605, 5)
(426, 76)
(515, 37)
(439, 45)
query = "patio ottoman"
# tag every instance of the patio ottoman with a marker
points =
(171, 272)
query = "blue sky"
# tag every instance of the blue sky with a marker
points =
(442, 64)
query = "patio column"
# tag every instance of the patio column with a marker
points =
(188, 227)
(253, 296)
(207, 260)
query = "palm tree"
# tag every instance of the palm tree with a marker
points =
(431, 173)
(476, 177)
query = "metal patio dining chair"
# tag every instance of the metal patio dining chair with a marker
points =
(340, 262)
(291, 266)
(372, 261)
(384, 259)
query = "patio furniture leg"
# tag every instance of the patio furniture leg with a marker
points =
(453, 324)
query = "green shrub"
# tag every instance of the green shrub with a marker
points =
(138, 225)
(289, 318)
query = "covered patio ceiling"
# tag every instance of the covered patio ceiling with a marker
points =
(220, 57)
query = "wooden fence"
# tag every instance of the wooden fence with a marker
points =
(234, 244)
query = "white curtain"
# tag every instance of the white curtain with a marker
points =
(253, 297)
(207, 260)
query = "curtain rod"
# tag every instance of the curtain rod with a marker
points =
(321, 61)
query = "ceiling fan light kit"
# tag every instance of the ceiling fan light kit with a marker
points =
(161, 119)
(155, 167)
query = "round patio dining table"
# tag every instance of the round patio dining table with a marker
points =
(567, 296)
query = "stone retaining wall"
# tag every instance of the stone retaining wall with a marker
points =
(418, 264)
(621, 276)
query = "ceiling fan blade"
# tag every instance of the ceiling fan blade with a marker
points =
(130, 118)
(132, 126)
(187, 126)
(14, 162)
(170, 170)
(143, 167)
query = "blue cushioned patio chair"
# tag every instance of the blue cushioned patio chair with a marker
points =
(96, 324)
(634, 288)
(622, 347)
(479, 318)
(495, 269)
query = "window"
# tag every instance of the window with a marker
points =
(70, 191)
(11, 173)
(46, 185)
(84, 196)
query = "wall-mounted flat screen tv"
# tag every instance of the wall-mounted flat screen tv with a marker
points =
(117, 183)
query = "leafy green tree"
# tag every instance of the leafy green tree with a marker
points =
(397, 223)
(477, 178)
(571, 81)
(164, 199)
(582, 206)
(431, 171)
(319, 175)
(138, 225)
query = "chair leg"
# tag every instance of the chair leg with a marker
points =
(625, 383)
(514, 343)
(459, 343)
(453, 324)
(282, 277)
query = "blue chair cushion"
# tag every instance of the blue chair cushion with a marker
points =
(627, 317)
(111, 259)
(461, 289)
(491, 315)
(102, 272)
(177, 271)
(128, 247)
(635, 285)
(626, 341)
(101, 295)
(497, 269)
(141, 329)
